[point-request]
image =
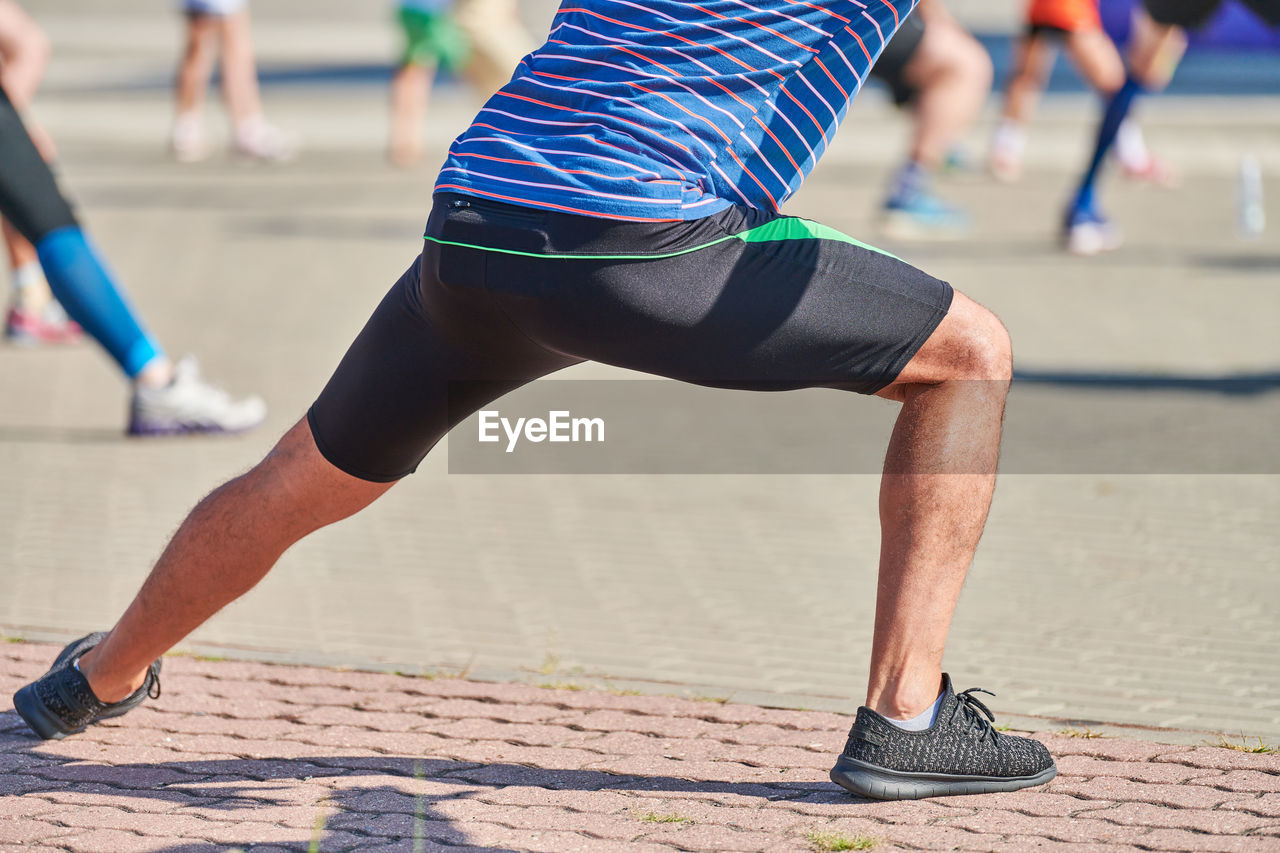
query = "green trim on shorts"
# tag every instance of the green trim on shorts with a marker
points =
(785, 228)
(794, 228)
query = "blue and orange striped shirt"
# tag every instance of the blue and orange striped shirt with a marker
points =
(662, 110)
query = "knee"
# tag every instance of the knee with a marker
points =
(975, 344)
(976, 64)
(984, 350)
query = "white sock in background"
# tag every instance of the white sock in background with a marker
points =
(1131, 147)
(30, 289)
(922, 722)
(1010, 139)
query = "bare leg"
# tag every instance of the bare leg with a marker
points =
(952, 73)
(1096, 58)
(410, 90)
(20, 251)
(239, 69)
(24, 49)
(196, 66)
(226, 545)
(938, 480)
(1036, 55)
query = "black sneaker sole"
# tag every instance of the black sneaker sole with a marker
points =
(37, 716)
(881, 783)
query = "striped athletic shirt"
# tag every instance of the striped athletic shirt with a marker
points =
(657, 110)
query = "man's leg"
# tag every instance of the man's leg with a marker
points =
(226, 545)
(390, 400)
(939, 475)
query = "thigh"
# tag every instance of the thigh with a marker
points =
(435, 350)
(1096, 58)
(788, 304)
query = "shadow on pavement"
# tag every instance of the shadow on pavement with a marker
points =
(1232, 384)
(405, 821)
(62, 435)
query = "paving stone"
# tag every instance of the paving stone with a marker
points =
(115, 840)
(1113, 789)
(1117, 749)
(1254, 781)
(1217, 758)
(1267, 805)
(1182, 840)
(1019, 843)
(1141, 771)
(702, 837)
(607, 802)
(939, 837)
(1213, 821)
(29, 831)
(1083, 829)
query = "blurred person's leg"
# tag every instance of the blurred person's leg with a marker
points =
(498, 40)
(253, 135)
(945, 77)
(188, 140)
(167, 397)
(33, 315)
(1158, 44)
(1036, 54)
(430, 39)
(410, 92)
(24, 53)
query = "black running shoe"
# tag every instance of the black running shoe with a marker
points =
(961, 753)
(60, 702)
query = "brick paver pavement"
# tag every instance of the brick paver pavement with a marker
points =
(240, 755)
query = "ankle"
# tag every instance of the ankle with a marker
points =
(904, 697)
(108, 690)
(156, 374)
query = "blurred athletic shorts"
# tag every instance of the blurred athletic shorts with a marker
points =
(431, 37)
(1193, 14)
(212, 7)
(498, 41)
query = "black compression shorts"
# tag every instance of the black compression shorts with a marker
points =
(502, 295)
(1193, 14)
(891, 66)
(29, 196)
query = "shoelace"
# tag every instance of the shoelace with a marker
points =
(153, 682)
(974, 712)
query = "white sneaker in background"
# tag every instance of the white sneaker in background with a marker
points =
(189, 404)
(188, 142)
(259, 140)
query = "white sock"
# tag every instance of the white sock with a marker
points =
(1131, 148)
(1010, 139)
(30, 289)
(923, 721)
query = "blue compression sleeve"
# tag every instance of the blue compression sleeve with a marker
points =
(85, 287)
(1115, 114)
